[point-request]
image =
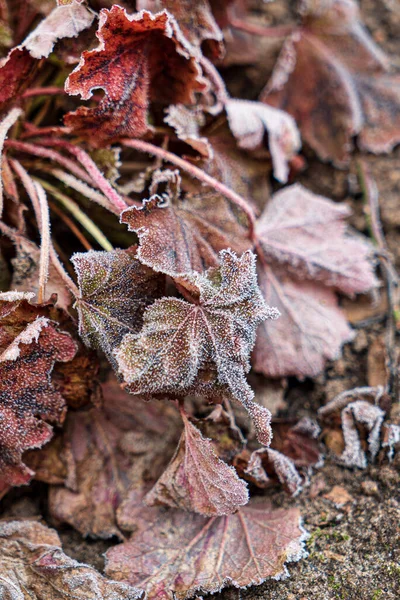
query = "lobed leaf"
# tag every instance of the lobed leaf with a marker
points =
(29, 347)
(179, 554)
(186, 347)
(115, 290)
(336, 82)
(155, 64)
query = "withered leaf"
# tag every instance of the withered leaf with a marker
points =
(155, 64)
(336, 83)
(115, 290)
(265, 462)
(195, 18)
(187, 122)
(177, 553)
(185, 347)
(197, 480)
(298, 441)
(179, 235)
(305, 255)
(111, 455)
(28, 351)
(32, 564)
(250, 121)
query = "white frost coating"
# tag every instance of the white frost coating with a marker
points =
(392, 439)
(65, 21)
(371, 417)
(27, 336)
(250, 120)
(14, 296)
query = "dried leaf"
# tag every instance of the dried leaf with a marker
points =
(299, 442)
(111, 454)
(334, 80)
(195, 18)
(65, 21)
(177, 236)
(303, 237)
(115, 290)
(371, 417)
(177, 554)
(250, 121)
(265, 462)
(29, 347)
(155, 64)
(33, 565)
(187, 347)
(187, 123)
(197, 480)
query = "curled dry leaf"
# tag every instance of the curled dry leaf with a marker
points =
(187, 123)
(197, 480)
(195, 19)
(29, 347)
(265, 462)
(336, 83)
(299, 442)
(155, 64)
(177, 553)
(32, 562)
(115, 289)
(305, 254)
(109, 456)
(180, 235)
(202, 347)
(250, 121)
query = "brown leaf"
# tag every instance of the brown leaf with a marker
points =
(197, 480)
(115, 290)
(32, 562)
(185, 347)
(155, 64)
(298, 441)
(265, 462)
(195, 18)
(110, 455)
(305, 254)
(336, 83)
(29, 347)
(250, 121)
(179, 235)
(177, 554)
(187, 122)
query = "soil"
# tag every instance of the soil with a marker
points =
(354, 547)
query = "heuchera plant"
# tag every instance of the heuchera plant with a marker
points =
(139, 293)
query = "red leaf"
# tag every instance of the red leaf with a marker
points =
(177, 236)
(305, 254)
(32, 562)
(195, 19)
(155, 64)
(110, 454)
(266, 462)
(28, 351)
(336, 83)
(177, 554)
(194, 347)
(197, 480)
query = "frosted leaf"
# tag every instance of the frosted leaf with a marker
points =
(336, 82)
(197, 480)
(299, 442)
(305, 255)
(265, 462)
(177, 236)
(32, 564)
(250, 121)
(29, 347)
(308, 234)
(65, 21)
(184, 347)
(115, 452)
(369, 416)
(115, 290)
(155, 64)
(178, 554)
(187, 122)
